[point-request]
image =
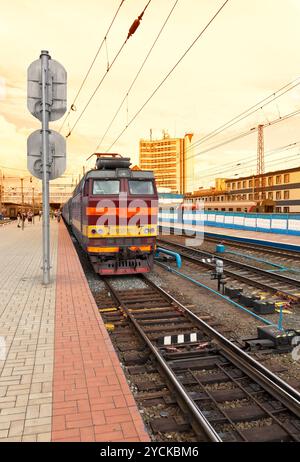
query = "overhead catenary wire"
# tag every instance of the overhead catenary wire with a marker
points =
(245, 161)
(240, 163)
(136, 77)
(248, 112)
(131, 31)
(244, 134)
(169, 73)
(104, 41)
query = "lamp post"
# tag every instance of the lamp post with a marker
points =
(33, 205)
(22, 192)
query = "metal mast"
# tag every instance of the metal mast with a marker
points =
(260, 159)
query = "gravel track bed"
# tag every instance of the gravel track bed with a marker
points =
(243, 325)
(201, 302)
(207, 246)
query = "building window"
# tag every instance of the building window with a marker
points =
(257, 182)
(278, 209)
(256, 196)
(250, 197)
(278, 195)
(286, 178)
(270, 196)
(239, 185)
(270, 181)
(232, 185)
(286, 194)
(250, 183)
(278, 179)
(244, 184)
(286, 210)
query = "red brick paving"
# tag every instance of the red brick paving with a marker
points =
(91, 398)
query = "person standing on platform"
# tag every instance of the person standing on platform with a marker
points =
(24, 216)
(19, 218)
(29, 216)
(40, 214)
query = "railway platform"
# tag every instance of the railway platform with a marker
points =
(60, 378)
(283, 241)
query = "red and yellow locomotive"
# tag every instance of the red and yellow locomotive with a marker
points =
(113, 214)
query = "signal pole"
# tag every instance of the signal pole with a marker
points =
(45, 160)
(46, 100)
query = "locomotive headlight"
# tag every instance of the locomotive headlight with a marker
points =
(148, 230)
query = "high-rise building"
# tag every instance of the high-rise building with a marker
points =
(171, 160)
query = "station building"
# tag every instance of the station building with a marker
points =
(280, 186)
(171, 160)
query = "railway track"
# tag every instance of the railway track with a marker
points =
(237, 271)
(225, 394)
(277, 254)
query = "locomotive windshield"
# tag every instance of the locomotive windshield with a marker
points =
(106, 187)
(141, 187)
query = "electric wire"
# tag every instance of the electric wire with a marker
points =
(132, 30)
(135, 78)
(72, 107)
(169, 73)
(244, 134)
(243, 115)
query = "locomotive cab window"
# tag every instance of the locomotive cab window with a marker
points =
(141, 187)
(106, 187)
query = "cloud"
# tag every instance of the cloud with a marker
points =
(2, 88)
(12, 144)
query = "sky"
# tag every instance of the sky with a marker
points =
(249, 51)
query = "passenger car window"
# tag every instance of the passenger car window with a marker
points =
(106, 187)
(141, 187)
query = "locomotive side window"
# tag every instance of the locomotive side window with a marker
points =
(106, 187)
(141, 187)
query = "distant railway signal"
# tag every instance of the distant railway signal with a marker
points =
(46, 149)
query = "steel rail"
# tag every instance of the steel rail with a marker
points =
(197, 415)
(279, 252)
(198, 254)
(269, 378)
(271, 383)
